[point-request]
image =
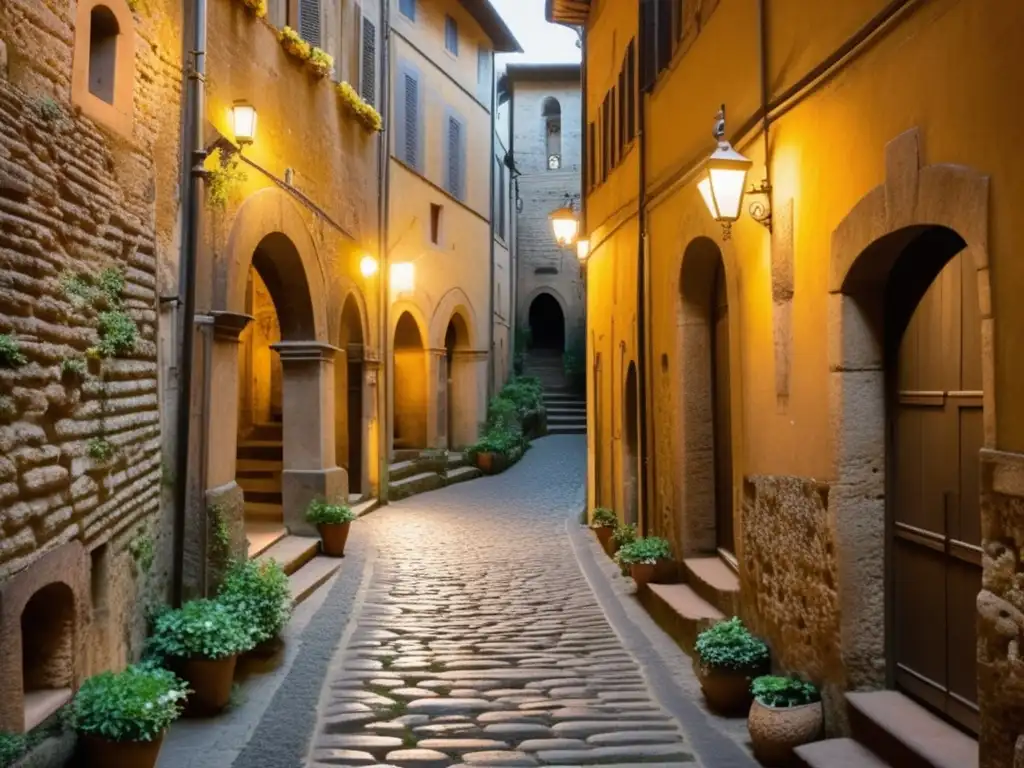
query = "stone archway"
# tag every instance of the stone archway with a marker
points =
(410, 385)
(351, 402)
(460, 376)
(547, 323)
(893, 238)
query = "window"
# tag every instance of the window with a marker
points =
(606, 135)
(631, 90)
(408, 9)
(407, 138)
(103, 32)
(551, 113)
(368, 76)
(666, 36)
(455, 149)
(309, 21)
(613, 140)
(592, 155)
(435, 223)
(620, 111)
(658, 31)
(502, 201)
(451, 35)
(484, 74)
(678, 19)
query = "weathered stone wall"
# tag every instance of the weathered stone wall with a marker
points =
(78, 197)
(788, 577)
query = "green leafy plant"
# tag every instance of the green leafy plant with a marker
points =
(625, 533)
(321, 62)
(774, 691)
(729, 645)
(111, 285)
(49, 109)
(644, 551)
(134, 705)
(78, 288)
(224, 173)
(200, 629)
(143, 551)
(118, 333)
(72, 368)
(604, 518)
(10, 352)
(258, 593)
(220, 534)
(293, 43)
(100, 449)
(321, 512)
(12, 746)
(363, 111)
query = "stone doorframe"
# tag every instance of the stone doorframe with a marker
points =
(310, 466)
(949, 196)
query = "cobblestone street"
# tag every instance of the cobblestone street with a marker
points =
(480, 642)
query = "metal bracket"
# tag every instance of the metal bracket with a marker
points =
(761, 212)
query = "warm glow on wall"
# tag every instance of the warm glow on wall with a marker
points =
(368, 266)
(583, 250)
(243, 122)
(403, 277)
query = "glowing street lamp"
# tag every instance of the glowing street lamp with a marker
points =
(368, 266)
(583, 250)
(566, 223)
(243, 122)
(403, 277)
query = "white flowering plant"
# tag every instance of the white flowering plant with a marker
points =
(259, 594)
(200, 629)
(134, 705)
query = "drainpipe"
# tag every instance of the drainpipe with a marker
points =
(196, 154)
(641, 293)
(383, 167)
(490, 295)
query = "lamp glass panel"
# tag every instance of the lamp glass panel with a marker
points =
(727, 185)
(244, 118)
(368, 266)
(402, 277)
(582, 250)
(565, 230)
(704, 187)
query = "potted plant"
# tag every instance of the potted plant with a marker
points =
(643, 556)
(201, 642)
(259, 595)
(785, 714)
(728, 658)
(604, 522)
(333, 521)
(122, 716)
(496, 450)
(624, 534)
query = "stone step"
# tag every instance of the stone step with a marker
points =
(907, 735)
(267, 431)
(257, 511)
(573, 418)
(304, 582)
(260, 484)
(461, 475)
(264, 450)
(680, 611)
(838, 753)
(292, 552)
(715, 582)
(567, 409)
(401, 470)
(574, 429)
(405, 454)
(258, 468)
(410, 486)
(263, 535)
(457, 459)
(365, 507)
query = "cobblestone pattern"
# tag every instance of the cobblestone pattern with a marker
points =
(481, 643)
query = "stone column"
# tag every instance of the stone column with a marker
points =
(437, 398)
(373, 426)
(310, 466)
(469, 380)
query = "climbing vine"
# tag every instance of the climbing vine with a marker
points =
(10, 352)
(221, 536)
(223, 173)
(118, 332)
(143, 551)
(100, 449)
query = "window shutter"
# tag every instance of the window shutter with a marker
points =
(410, 151)
(309, 21)
(484, 74)
(451, 35)
(369, 73)
(455, 144)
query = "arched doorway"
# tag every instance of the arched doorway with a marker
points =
(460, 412)
(707, 494)
(631, 448)
(48, 651)
(547, 323)
(410, 385)
(278, 299)
(917, 296)
(349, 404)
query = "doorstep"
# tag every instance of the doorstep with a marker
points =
(680, 611)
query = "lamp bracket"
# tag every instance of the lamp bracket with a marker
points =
(761, 211)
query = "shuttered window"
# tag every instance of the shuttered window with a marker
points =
(408, 9)
(309, 21)
(451, 35)
(484, 74)
(408, 104)
(369, 63)
(455, 166)
(631, 91)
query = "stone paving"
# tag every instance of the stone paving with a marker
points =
(479, 642)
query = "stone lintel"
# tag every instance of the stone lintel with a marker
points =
(228, 326)
(304, 351)
(1007, 471)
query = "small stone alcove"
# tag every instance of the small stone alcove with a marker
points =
(42, 623)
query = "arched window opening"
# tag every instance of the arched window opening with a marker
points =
(47, 651)
(552, 114)
(103, 32)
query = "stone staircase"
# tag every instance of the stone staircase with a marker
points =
(414, 472)
(566, 410)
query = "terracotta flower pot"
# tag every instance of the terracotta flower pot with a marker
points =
(604, 535)
(210, 681)
(727, 691)
(642, 573)
(102, 753)
(491, 463)
(333, 537)
(775, 731)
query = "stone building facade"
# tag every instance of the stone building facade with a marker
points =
(818, 413)
(90, 97)
(546, 147)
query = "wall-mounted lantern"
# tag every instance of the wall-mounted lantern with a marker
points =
(583, 250)
(566, 222)
(723, 181)
(403, 277)
(368, 266)
(243, 122)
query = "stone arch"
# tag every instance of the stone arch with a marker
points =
(414, 310)
(342, 292)
(270, 218)
(103, 63)
(463, 376)
(555, 293)
(353, 396)
(411, 383)
(454, 302)
(912, 199)
(544, 307)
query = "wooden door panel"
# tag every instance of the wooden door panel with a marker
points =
(921, 598)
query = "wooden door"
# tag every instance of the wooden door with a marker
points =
(720, 388)
(355, 427)
(935, 521)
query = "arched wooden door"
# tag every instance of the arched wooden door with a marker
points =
(722, 417)
(936, 423)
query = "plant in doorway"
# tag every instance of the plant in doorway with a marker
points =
(122, 716)
(332, 521)
(727, 658)
(604, 522)
(644, 556)
(786, 713)
(201, 642)
(258, 593)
